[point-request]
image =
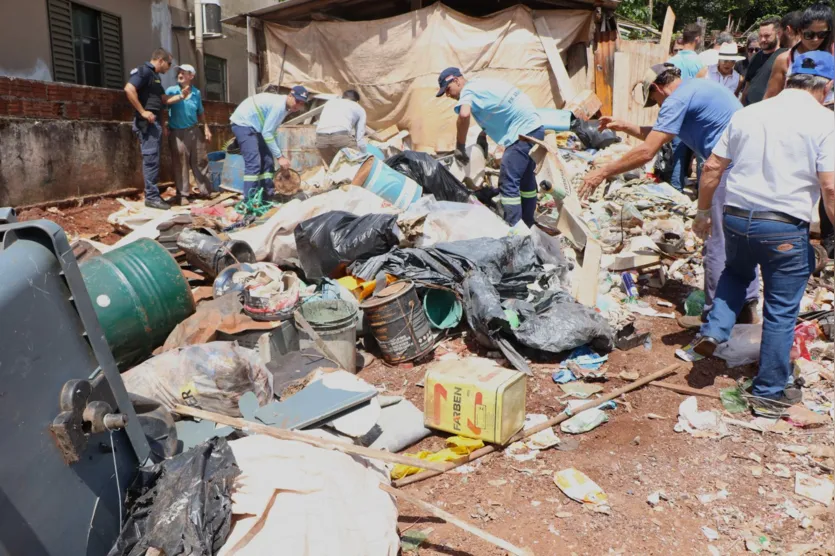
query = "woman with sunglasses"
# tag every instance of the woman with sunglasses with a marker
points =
(815, 34)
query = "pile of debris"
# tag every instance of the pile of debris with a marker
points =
(279, 309)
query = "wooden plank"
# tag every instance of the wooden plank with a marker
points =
(667, 30)
(453, 520)
(327, 444)
(586, 283)
(621, 86)
(585, 105)
(307, 115)
(564, 83)
(686, 390)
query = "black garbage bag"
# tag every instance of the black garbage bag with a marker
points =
(562, 324)
(591, 136)
(498, 258)
(663, 168)
(421, 265)
(182, 505)
(435, 178)
(328, 243)
(483, 308)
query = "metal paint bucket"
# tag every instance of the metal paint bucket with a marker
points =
(388, 183)
(398, 323)
(335, 321)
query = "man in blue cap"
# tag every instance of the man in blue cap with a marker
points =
(504, 113)
(697, 111)
(782, 152)
(254, 123)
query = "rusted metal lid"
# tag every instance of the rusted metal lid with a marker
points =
(389, 293)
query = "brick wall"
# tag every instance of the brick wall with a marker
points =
(23, 98)
(71, 141)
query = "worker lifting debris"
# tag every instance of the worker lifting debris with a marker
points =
(273, 363)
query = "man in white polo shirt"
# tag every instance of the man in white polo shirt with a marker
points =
(723, 71)
(341, 124)
(783, 155)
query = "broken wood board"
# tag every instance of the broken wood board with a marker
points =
(549, 165)
(298, 120)
(566, 87)
(572, 226)
(667, 30)
(384, 135)
(627, 102)
(586, 284)
(632, 261)
(585, 105)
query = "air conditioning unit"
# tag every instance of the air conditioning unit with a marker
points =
(212, 28)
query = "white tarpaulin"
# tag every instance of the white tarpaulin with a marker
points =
(394, 62)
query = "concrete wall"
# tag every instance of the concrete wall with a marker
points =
(61, 141)
(24, 34)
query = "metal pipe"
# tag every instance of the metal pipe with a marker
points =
(198, 45)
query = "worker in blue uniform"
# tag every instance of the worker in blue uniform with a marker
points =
(146, 94)
(254, 123)
(504, 113)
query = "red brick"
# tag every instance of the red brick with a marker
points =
(57, 92)
(4, 107)
(5, 86)
(15, 108)
(78, 94)
(106, 111)
(38, 90)
(71, 111)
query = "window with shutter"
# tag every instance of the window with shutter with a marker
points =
(86, 45)
(60, 36)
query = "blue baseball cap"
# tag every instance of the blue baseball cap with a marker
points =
(446, 76)
(300, 93)
(816, 62)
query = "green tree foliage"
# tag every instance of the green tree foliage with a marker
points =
(746, 12)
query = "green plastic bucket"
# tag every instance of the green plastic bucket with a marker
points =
(140, 295)
(442, 308)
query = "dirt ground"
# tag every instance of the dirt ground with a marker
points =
(630, 457)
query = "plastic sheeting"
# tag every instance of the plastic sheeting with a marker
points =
(182, 505)
(293, 498)
(394, 62)
(429, 222)
(435, 178)
(328, 243)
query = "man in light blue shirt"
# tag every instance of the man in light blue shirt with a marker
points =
(254, 123)
(504, 113)
(686, 60)
(691, 66)
(696, 111)
(187, 147)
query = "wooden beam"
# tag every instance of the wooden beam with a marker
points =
(301, 118)
(327, 444)
(453, 520)
(604, 39)
(586, 285)
(667, 30)
(686, 390)
(566, 87)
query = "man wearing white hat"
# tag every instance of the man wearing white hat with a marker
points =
(723, 71)
(187, 147)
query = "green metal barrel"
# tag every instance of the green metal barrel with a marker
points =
(140, 295)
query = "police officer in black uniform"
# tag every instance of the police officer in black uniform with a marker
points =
(147, 95)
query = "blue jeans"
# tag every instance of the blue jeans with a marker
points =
(786, 259)
(714, 251)
(150, 137)
(682, 158)
(259, 165)
(517, 181)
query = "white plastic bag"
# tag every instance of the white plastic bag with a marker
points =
(743, 347)
(210, 376)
